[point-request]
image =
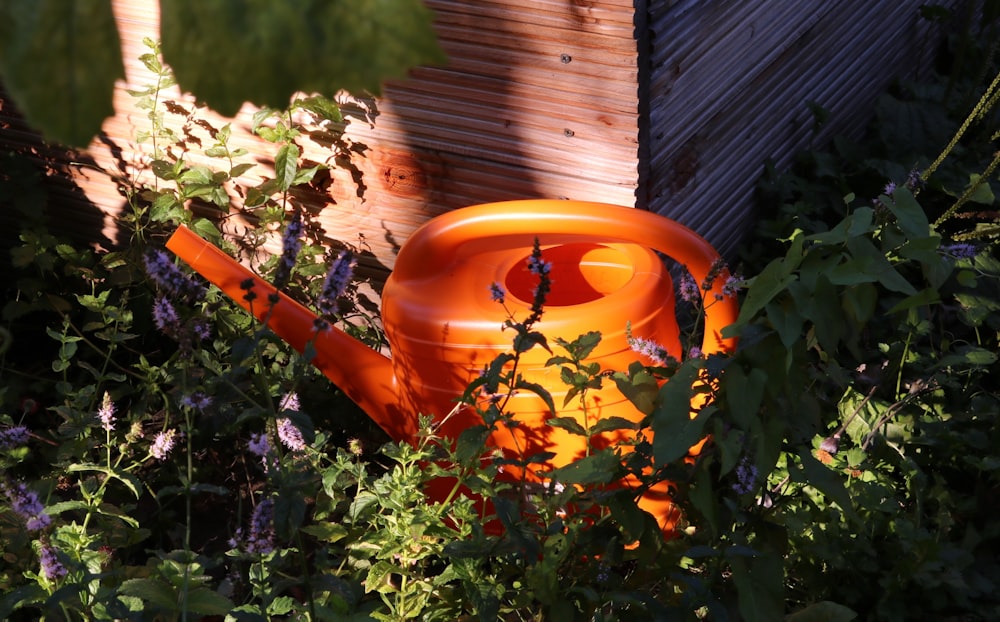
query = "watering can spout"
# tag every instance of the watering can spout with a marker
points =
(360, 372)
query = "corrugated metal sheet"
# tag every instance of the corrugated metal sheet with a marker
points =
(730, 86)
(671, 105)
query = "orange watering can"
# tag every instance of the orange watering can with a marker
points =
(443, 325)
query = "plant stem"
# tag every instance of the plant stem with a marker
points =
(985, 102)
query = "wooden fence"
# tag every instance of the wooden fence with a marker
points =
(668, 105)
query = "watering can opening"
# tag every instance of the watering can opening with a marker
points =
(581, 273)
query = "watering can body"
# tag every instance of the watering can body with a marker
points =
(444, 326)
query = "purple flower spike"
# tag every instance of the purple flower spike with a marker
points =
(165, 316)
(689, 290)
(169, 277)
(291, 436)
(25, 504)
(51, 567)
(106, 413)
(496, 292)
(746, 477)
(163, 444)
(650, 349)
(14, 437)
(261, 538)
(337, 280)
(291, 244)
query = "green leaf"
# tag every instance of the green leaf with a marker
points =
(972, 356)
(286, 164)
(815, 474)
(325, 531)
(206, 229)
(674, 431)
(639, 387)
(759, 590)
(322, 107)
(744, 393)
(786, 320)
(204, 601)
(624, 510)
(360, 505)
(65, 506)
(598, 468)
(281, 606)
(263, 52)
(569, 424)
(133, 483)
(59, 60)
(107, 510)
(306, 175)
(239, 169)
(823, 611)
(772, 280)
(611, 424)
(922, 298)
(538, 390)
(982, 193)
(155, 592)
(870, 260)
(858, 223)
(909, 214)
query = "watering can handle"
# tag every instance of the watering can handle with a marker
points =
(438, 241)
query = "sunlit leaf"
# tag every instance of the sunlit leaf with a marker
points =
(229, 52)
(59, 60)
(598, 468)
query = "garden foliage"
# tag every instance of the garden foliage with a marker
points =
(60, 59)
(166, 457)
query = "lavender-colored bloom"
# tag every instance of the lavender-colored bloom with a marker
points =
(290, 401)
(14, 437)
(197, 401)
(258, 445)
(201, 329)
(106, 413)
(889, 189)
(695, 353)
(689, 289)
(496, 292)
(537, 265)
(170, 278)
(914, 181)
(603, 572)
(290, 436)
(165, 316)
(733, 284)
(746, 477)
(960, 250)
(337, 280)
(51, 566)
(649, 348)
(25, 504)
(713, 273)
(291, 244)
(261, 538)
(163, 443)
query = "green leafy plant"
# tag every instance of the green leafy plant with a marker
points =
(61, 61)
(165, 456)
